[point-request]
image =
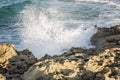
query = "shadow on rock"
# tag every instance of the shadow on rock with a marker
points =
(107, 37)
(13, 63)
(77, 66)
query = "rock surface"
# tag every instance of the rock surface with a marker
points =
(2, 77)
(13, 63)
(80, 66)
(100, 63)
(107, 37)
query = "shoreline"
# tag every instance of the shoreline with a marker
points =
(97, 63)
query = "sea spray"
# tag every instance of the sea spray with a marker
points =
(44, 35)
(52, 27)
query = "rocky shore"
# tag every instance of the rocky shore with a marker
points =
(100, 63)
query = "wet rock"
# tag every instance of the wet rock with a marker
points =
(73, 50)
(46, 56)
(107, 37)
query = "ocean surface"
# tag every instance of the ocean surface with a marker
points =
(53, 26)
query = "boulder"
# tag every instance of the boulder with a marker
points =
(6, 52)
(13, 63)
(99, 63)
(107, 37)
(103, 66)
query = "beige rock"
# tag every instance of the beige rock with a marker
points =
(76, 64)
(96, 68)
(7, 52)
(2, 77)
(14, 63)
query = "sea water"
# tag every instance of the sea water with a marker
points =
(53, 26)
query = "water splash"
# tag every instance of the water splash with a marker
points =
(45, 34)
(53, 26)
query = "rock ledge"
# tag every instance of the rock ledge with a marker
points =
(100, 63)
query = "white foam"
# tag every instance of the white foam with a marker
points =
(113, 2)
(94, 0)
(45, 33)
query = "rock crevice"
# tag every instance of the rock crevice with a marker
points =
(100, 63)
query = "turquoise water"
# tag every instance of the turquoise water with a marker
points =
(53, 26)
(10, 29)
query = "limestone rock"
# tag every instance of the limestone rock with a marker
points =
(107, 63)
(100, 63)
(103, 66)
(2, 77)
(14, 63)
(52, 70)
(6, 52)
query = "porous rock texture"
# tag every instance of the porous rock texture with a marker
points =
(100, 63)
(79, 66)
(13, 63)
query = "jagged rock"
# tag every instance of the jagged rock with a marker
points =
(103, 66)
(72, 51)
(14, 63)
(75, 64)
(2, 77)
(52, 70)
(106, 63)
(97, 63)
(107, 37)
(6, 52)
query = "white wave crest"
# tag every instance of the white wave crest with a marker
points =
(45, 29)
(44, 35)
